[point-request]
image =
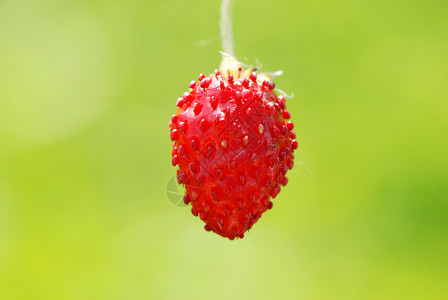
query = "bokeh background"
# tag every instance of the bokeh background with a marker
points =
(87, 89)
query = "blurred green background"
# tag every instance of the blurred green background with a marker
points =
(87, 89)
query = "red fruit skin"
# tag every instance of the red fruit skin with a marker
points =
(233, 146)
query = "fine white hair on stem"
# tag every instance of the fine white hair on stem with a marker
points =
(284, 94)
(305, 166)
(274, 74)
(226, 27)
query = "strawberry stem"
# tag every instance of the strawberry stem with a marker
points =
(229, 64)
(226, 28)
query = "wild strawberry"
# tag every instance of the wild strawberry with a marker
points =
(233, 144)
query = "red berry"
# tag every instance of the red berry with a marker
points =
(233, 147)
(286, 115)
